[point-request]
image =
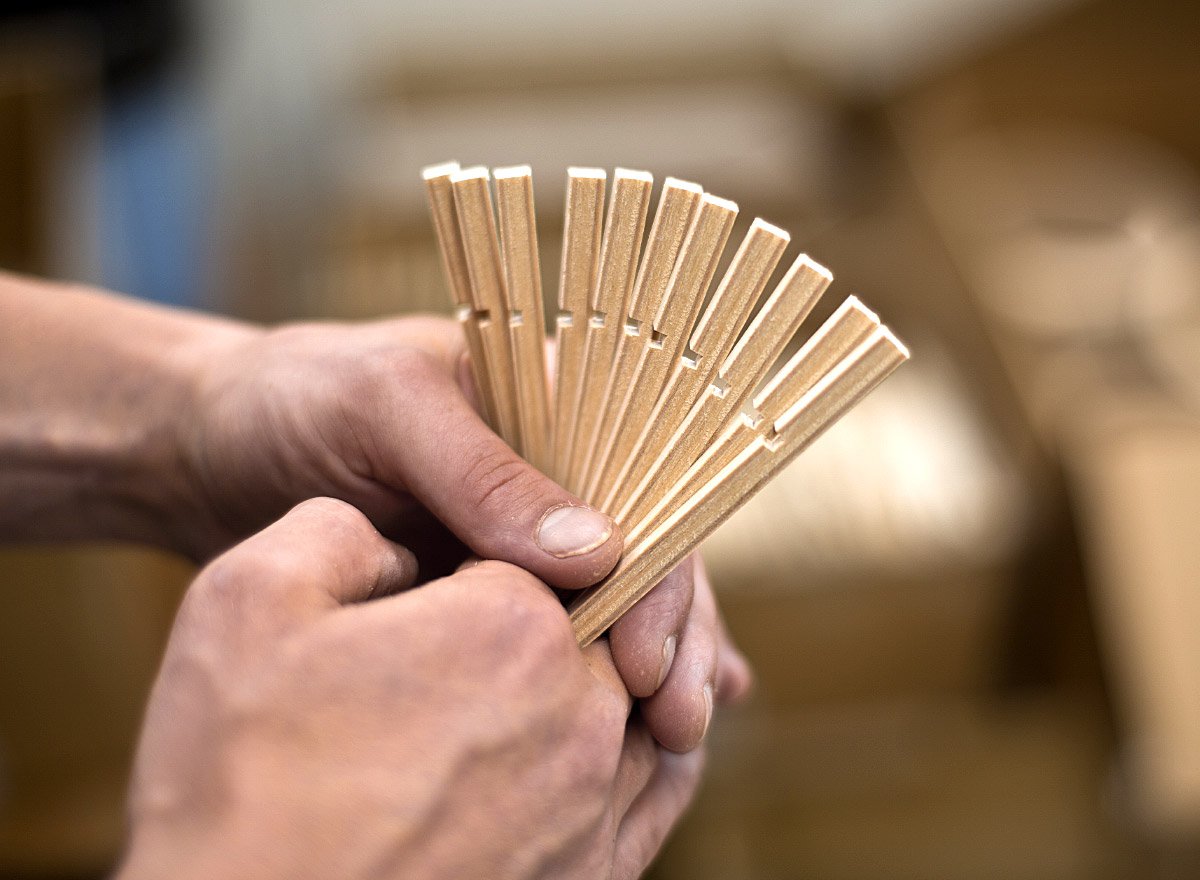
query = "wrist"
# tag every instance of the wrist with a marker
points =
(95, 392)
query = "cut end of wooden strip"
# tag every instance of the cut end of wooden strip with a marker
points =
(853, 302)
(512, 171)
(676, 183)
(887, 334)
(477, 172)
(811, 264)
(445, 169)
(588, 173)
(627, 174)
(770, 228)
(717, 201)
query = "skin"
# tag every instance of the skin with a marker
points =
(123, 420)
(296, 692)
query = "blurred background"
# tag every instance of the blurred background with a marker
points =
(974, 606)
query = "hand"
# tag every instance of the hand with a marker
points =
(313, 720)
(379, 416)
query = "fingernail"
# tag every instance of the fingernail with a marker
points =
(708, 707)
(572, 531)
(668, 657)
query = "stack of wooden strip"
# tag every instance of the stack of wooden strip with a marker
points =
(653, 416)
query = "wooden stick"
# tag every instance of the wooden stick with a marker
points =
(580, 266)
(693, 272)
(610, 305)
(676, 206)
(523, 284)
(692, 374)
(454, 261)
(473, 201)
(644, 564)
(844, 331)
(753, 355)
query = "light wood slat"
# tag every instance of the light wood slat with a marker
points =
(623, 228)
(454, 262)
(848, 327)
(693, 272)
(753, 356)
(676, 206)
(645, 563)
(523, 284)
(580, 266)
(473, 201)
(691, 375)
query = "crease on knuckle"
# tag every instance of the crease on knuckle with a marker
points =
(497, 477)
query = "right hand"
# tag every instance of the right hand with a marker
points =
(452, 730)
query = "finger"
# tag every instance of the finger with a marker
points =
(498, 504)
(655, 811)
(645, 639)
(598, 658)
(679, 712)
(639, 759)
(735, 676)
(322, 554)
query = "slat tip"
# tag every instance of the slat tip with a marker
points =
(719, 202)
(476, 172)
(813, 266)
(443, 169)
(627, 174)
(770, 229)
(587, 173)
(512, 171)
(676, 183)
(887, 334)
(852, 302)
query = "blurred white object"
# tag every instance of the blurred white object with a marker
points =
(909, 481)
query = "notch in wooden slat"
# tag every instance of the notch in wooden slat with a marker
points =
(676, 205)
(690, 376)
(619, 252)
(473, 202)
(690, 279)
(454, 262)
(523, 286)
(645, 563)
(834, 341)
(582, 230)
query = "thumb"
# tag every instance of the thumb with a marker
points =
(497, 503)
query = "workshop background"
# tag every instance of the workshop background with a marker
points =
(974, 606)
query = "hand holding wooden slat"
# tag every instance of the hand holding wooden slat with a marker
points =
(649, 415)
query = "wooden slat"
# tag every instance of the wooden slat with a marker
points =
(693, 272)
(691, 375)
(676, 206)
(619, 252)
(580, 266)
(844, 331)
(454, 262)
(473, 201)
(523, 285)
(645, 563)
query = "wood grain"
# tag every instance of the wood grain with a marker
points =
(645, 563)
(454, 262)
(473, 202)
(619, 253)
(582, 230)
(523, 286)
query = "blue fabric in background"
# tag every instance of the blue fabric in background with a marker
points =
(156, 189)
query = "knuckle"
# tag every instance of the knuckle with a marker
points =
(498, 478)
(339, 521)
